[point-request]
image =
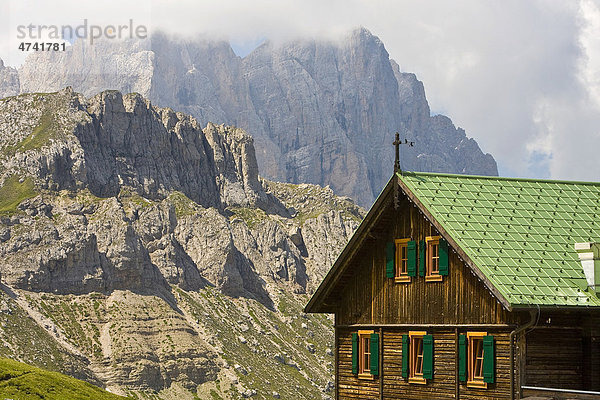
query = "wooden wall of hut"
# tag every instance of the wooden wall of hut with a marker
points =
(391, 385)
(563, 351)
(371, 298)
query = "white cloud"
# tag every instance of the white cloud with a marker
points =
(590, 42)
(567, 120)
(522, 78)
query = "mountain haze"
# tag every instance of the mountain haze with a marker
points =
(320, 112)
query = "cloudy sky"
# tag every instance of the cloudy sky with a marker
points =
(521, 77)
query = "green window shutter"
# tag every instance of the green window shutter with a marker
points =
(462, 358)
(390, 252)
(374, 367)
(443, 249)
(428, 356)
(355, 353)
(411, 254)
(405, 355)
(421, 258)
(488, 359)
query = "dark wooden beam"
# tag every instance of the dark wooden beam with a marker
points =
(380, 363)
(460, 326)
(337, 363)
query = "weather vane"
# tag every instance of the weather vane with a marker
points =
(397, 143)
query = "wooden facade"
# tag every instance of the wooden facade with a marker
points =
(456, 305)
(371, 298)
(563, 351)
(390, 385)
(549, 348)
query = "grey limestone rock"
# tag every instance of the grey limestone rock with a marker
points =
(124, 150)
(9, 81)
(111, 141)
(125, 65)
(217, 257)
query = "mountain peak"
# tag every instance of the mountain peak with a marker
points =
(363, 32)
(9, 80)
(363, 35)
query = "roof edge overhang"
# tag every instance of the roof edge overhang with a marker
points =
(317, 302)
(582, 308)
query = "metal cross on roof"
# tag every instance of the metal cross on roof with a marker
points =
(397, 143)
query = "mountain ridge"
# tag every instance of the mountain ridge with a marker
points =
(320, 112)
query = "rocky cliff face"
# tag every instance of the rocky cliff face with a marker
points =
(9, 81)
(145, 254)
(112, 141)
(319, 112)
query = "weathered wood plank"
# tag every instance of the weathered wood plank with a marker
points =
(554, 358)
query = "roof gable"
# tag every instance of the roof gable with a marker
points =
(517, 235)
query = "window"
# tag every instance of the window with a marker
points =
(432, 272)
(401, 273)
(476, 359)
(401, 260)
(365, 354)
(364, 349)
(417, 357)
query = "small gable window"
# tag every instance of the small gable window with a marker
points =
(476, 359)
(434, 258)
(401, 260)
(365, 354)
(417, 357)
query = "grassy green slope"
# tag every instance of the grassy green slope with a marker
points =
(22, 381)
(13, 192)
(22, 338)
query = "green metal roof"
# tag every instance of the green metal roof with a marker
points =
(520, 233)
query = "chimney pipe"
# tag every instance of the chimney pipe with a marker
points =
(589, 255)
